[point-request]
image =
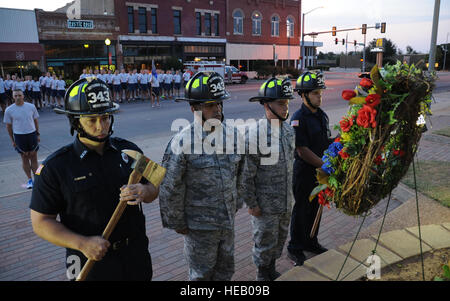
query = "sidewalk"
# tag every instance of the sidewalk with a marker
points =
(24, 256)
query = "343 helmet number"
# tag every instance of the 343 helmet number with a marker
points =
(101, 96)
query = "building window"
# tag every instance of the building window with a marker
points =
(142, 19)
(275, 26)
(154, 21)
(290, 27)
(256, 23)
(177, 21)
(130, 19)
(238, 18)
(216, 24)
(198, 23)
(207, 24)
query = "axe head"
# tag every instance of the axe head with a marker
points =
(150, 170)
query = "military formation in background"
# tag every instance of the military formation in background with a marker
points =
(49, 89)
(200, 193)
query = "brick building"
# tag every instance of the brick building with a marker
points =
(181, 29)
(263, 30)
(71, 45)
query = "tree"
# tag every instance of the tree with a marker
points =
(390, 50)
(410, 50)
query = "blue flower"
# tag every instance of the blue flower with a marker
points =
(328, 168)
(334, 149)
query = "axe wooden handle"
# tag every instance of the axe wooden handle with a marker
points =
(135, 177)
(316, 222)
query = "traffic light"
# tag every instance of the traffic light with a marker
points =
(354, 43)
(333, 31)
(383, 27)
(336, 41)
(343, 41)
(364, 28)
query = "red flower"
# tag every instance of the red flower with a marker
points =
(346, 124)
(366, 83)
(322, 199)
(399, 152)
(378, 160)
(373, 100)
(338, 139)
(328, 192)
(366, 117)
(348, 94)
(344, 155)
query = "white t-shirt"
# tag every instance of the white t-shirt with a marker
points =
(42, 80)
(161, 77)
(54, 82)
(19, 85)
(2, 86)
(124, 77)
(21, 117)
(61, 85)
(133, 78)
(168, 78)
(48, 82)
(177, 78)
(143, 79)
(186, 76)
(155, 82)
(36, 86)
(116, 79)
(8, 84)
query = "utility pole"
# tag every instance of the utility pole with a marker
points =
(346, 42)
(432, 57)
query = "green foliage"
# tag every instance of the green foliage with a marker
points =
(445, 276)
(170, 63)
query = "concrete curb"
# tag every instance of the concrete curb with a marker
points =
(393, 247)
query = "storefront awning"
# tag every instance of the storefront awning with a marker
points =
(21, 52)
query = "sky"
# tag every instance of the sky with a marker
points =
(408, 22)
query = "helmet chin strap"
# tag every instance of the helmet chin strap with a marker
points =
(308, 101)
(83, 134)
(276, 114)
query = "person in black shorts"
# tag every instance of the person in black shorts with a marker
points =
(23, 129)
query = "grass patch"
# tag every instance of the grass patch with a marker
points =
(443, 132)
(432, 180)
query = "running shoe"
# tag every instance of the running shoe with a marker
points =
(30, 184)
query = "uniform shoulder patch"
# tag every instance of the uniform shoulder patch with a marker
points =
(295, 123)
(38, 171)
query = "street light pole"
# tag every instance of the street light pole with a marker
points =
(432, 58)
(107, 42)
(303, 36)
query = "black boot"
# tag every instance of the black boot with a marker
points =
(263, 273)
(273, 274)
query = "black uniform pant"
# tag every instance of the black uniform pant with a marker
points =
(304, 211)
(129, 263)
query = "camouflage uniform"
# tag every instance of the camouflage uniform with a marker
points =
(200, 192)
(270, 188)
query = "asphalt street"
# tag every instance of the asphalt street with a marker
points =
(139, 122)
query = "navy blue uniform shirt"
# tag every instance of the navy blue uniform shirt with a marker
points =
(83, 187)
(311, 130)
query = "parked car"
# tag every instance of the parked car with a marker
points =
(237, 76)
